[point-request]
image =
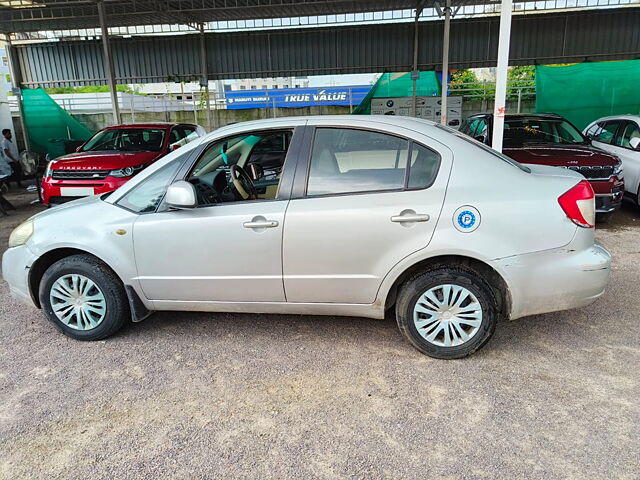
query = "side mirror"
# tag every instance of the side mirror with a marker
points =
(181, 195)
(635, 143)
(256, 172)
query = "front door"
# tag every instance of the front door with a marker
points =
(226, 252)
(229, 248)
(371, 199)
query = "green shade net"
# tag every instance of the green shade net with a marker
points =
(48, 125)
(585, 92)
(399, 85)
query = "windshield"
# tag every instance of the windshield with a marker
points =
(126, 140)
(527, 131)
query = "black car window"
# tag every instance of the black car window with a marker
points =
(626, 134)
(608, 130)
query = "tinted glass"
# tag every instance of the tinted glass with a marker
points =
(608, 131)
(146, 196)
(126, 140)
(346, 161)
(629, 132)
(526, 131)
(423, 167)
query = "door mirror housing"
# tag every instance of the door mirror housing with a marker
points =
(181, 195)
(635, 143)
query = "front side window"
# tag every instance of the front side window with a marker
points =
(607, 131)
(351, 161)
(126, 140)
(147, 195)
(244, 167)
(528, 131)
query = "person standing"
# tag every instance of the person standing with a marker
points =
(11, 155)
(5, 172)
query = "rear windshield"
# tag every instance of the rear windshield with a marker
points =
(484, 147)
(126, 140)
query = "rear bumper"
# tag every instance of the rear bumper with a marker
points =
(16, 263)
(554, 280)
(53, 194)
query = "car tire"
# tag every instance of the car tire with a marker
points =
(446, 313)
(84, 298)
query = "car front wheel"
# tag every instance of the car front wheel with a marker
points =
(446, 313)
(83, 298)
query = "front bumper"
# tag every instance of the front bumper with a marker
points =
(558, 279)
(609, 194)
(16, 263)
(52, 193)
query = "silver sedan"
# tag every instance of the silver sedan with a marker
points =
(321, 215)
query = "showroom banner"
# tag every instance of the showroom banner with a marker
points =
(296, 97)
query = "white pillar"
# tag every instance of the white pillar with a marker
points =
(445, 63)
(500, 108)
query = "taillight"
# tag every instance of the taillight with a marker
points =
(579, 205)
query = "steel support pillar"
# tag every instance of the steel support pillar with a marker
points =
(108, 64)
(16, 82)
(204, 73)
(445, 63)
(415, 74)
(500, 108)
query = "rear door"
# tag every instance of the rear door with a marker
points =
(364, 200)
(623, 146)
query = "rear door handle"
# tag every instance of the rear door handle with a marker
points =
(410, 218)
(261, 224)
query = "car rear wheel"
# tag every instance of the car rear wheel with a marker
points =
(84, 298)
(446, 313)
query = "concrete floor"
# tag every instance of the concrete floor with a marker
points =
(190, 396)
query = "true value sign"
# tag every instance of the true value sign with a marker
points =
(297, 97)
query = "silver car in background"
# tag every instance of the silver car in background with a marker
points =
(322, 216)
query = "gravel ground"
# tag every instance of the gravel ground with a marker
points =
(190, 396)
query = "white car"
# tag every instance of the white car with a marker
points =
(620, 135)
(324, 216)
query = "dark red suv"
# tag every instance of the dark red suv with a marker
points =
(111, 157)
(547, 139)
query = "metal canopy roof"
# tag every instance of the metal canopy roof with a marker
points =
(38, 15)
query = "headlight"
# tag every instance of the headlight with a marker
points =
(126, 172)
(21, 234)
(47, 171)
(617, 170)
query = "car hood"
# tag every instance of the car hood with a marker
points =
(108, 160)
(561, 155)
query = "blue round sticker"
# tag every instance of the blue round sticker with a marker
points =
(466, 219)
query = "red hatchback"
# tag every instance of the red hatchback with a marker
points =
(548, 139)
(111, 157)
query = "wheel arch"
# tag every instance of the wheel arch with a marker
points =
(469, 264)
(36, 272)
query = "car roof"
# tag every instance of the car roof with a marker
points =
(148, 125)
(625, 116)
(554, 116)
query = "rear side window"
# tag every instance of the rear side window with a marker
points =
(352, 161)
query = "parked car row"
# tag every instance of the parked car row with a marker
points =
(329, 215)
(552, 140)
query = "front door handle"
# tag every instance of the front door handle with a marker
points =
(260, 224)
(410, 218)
